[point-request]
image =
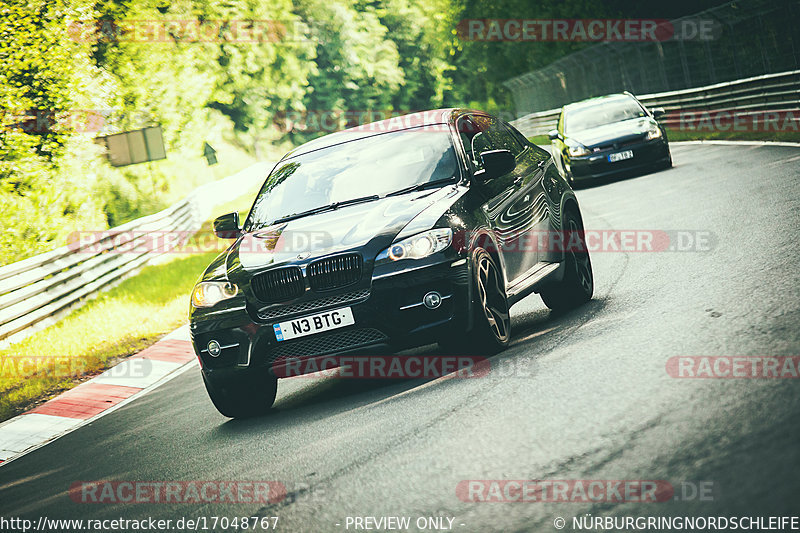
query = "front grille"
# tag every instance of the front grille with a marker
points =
(296, 309)
(334, 272)
(325, 344)
(622, 144)
(278, 285)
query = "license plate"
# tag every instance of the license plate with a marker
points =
(309, 325)
(620, 156)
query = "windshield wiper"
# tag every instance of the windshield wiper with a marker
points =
(420, 186)
(323, 208)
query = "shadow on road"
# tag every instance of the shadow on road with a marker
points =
(622, 176)
(313, 398)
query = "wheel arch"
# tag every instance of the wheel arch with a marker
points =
(484, 239)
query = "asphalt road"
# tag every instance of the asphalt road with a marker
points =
(583, 396)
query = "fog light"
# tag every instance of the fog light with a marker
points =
(214, 348)
(432, 300)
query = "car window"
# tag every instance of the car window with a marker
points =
(480, 133)
(500, 138)
(534, 152)
(603, 112)
(374, 165)
(520, 138)
(510, 141)
(472, 132)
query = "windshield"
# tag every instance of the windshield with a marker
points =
(601, 113)
(375, 165)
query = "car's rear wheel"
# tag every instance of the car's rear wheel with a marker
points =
(491, 330)
(577, 285)
(245, 397)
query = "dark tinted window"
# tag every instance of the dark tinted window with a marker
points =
(378, 164)
(601, 113)
(517, 142)
(472, 132)
(523, 141)
(480, 134)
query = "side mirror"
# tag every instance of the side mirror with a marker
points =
(227, 226)
(495, 163)
(658, 112)
(553, 135)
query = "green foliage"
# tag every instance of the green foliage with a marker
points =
(315, 56)
(480, 68)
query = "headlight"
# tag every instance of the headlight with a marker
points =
(418, 246)
(577, 150)
(653, 133)
(210, 293)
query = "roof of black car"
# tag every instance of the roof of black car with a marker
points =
(397, 123)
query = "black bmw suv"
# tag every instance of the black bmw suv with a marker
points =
(415, 230)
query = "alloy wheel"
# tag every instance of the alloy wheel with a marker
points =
(580, 258)
(492, 298)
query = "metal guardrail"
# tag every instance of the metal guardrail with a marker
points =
(41, 289)
(770, 92)
(742, 39)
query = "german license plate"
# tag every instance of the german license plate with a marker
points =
(309, 325)
(620, 156)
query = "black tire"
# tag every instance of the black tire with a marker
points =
(666, 165)
(577, 285)
(243, 398)
(491, 327)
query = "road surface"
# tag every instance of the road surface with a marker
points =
(582, 396)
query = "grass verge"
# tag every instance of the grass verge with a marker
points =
(539, 140)
(115, 324)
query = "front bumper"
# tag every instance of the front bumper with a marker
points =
(596, 165)
(388, 317)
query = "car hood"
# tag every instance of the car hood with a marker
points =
(371, 225)
(612, 132)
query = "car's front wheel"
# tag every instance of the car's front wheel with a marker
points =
(249, 396)
(577, 285)
(491, 328)
(668, 163)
